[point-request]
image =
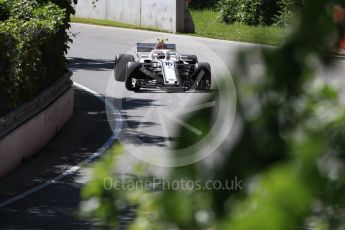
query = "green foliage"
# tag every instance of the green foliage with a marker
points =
(269, 11)
(4, 14)
(287, 9)
(34, 40)
(248, 12)
(228, 10)
(21, 9)
(203, 4)
(245, 11)
(257, 12)
(289, 153)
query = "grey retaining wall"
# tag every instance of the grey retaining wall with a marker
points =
(26, 130)
(169, 15)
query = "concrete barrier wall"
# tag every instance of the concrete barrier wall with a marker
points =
(161, 14)
(85, 9)
(35, 133)
(127, 11)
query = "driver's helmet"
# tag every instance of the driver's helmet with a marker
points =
(161, 44)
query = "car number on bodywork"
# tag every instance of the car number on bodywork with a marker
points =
(170, 73)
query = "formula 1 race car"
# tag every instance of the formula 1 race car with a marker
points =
(160, 66)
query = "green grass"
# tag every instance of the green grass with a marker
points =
(207, 25)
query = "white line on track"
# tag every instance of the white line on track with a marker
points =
(74, 169)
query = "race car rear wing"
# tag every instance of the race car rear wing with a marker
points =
(148, 47)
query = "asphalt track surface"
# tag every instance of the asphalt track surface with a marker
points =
(148, 119)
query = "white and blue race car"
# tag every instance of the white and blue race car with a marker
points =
(161, 67)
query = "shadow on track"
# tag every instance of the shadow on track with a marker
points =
(135, 125)
(76, 63)
(54, 207)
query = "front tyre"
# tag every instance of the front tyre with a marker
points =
(133, 75)
(202, 76)
(120, 64)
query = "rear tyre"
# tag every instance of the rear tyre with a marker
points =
(120, 64)
(202, 76)
(133, 73)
